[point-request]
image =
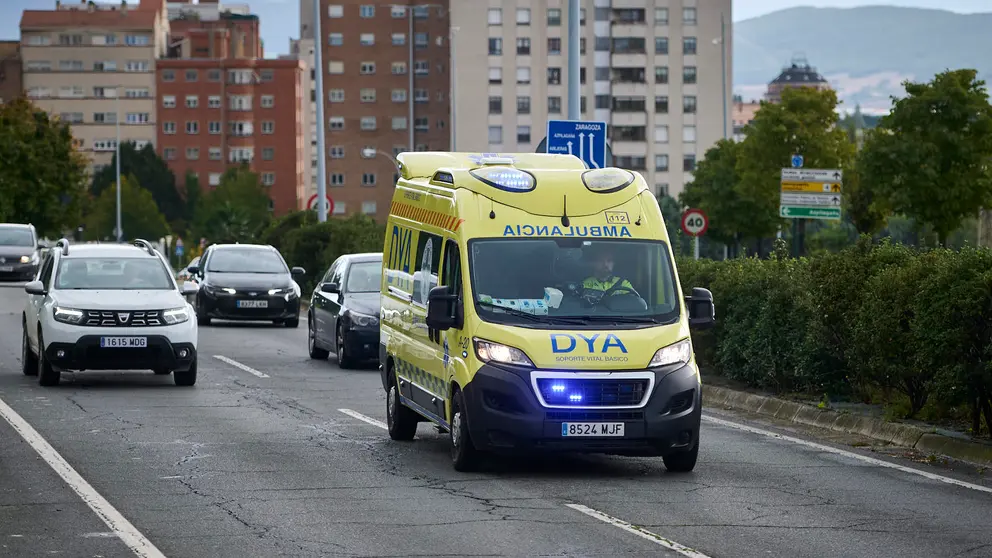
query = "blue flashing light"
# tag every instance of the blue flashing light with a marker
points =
(506, 178)
(558, 388)
(575, 398)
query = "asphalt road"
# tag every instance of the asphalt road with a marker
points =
(260, 460)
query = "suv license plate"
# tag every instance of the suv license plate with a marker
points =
(253, 304)
(123, 342)
(6, 268)
(609, 429)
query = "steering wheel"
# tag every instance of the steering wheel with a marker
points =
(619, 287)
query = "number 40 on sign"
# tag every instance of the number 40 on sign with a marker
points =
(695, 222)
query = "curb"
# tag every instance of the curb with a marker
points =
(894, 433)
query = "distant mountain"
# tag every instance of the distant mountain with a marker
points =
(864, 52)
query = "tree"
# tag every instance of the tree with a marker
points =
(152, 173)
(862, 205)
(715, 190)
(804, 123)
(237, 210)
(42, 176)
(671, 212)
(140, 217)
(194, 197)
(929, 159)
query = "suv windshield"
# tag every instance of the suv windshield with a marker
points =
(364, 277)
(129, 274)
(555, 281)
(16, 236)
(245, 260)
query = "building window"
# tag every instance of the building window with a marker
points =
(213, 101)
(268, 127)
(168, 75)
(398, 95)
(523, 46)
(495, 135)
(421, 124)
(105, 66)
(368, 179)
(495, 75)
(339, 208)
(689, 104)
(420, 40)
(399, 123)
(523, 16)
(661, 104)
(337, 179)
(192, 101)
(398, 68)
(168, 101)
(366, 39)
(661, 16)
(268, 153)
(399, 39)
(335, 95)
(689, 162)
(398, 12)
(335, 11)
(368, 207)
(70, 40)
(421, 67)
(688, 45)
(689, 134)
(523, 74)
(523, 134)
(367, 11)
(214, 153)
(168, 127)
(239, 102)
(661, 133)
(169, 153)
(241, 155)
(495, 46)
(213, 75)
(268, 178)
(554, 45)
(241, 128)
(192, 153)
(554, 105)
(336, 151)
(523, 105)
(335, 39)
(214, 179)
(72, 65)
(137, 93)
(554, 17)
(495, 16)
(495, 105)
(268, 101)
(661, 45)
(214, 127)
(367, 68)
(368, 123)
(689, 74)
(689, 16)
(335, 67)
(421, 12)
(137, 118)
(336, 123)
(661, 162)
(554, 76)
(367, 95)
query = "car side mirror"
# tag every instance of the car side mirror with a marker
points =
(298, 271)
(330, 288)
(193, 270)
(702, 311)
(188, 288)
(42, 245)
(35, 288)
(441, 306)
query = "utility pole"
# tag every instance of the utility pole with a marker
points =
(322, 151)
(573, 60)
(117, 108)
(454, 97)
(723, 73)
(409, 71)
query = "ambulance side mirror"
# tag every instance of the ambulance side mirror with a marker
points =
(702, 312)
(441, 306)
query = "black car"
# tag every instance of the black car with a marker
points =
(246, 282)
(344, 310)
(19, 252)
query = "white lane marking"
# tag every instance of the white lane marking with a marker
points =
(852, 455)
(639, 531)
(131, 537)
(244, 367)
(364, 418)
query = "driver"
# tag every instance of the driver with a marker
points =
(603, 280)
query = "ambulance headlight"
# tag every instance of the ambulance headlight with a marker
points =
(506, 178)
(605, 181)
(676, 353)
(488, 351)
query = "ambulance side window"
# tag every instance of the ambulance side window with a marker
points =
(452, 268)
(426, 265)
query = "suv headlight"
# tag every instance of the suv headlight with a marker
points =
(361, 320)
(68, 315)
(487, 351)
(175, 316)
(676, 353)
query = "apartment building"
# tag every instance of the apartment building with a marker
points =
(92, 65)
(214, 30)
(366, 49)
(303, 50)
(214, 113)
(11, 86)
(653, 70)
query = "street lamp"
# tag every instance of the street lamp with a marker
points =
(722, 41)
(370, 152)
(117, 158)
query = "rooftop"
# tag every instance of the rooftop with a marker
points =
(799, 72)
(103, 18)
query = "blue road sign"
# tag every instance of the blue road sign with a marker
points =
(797, 161)
(586, 140)
(179, 250)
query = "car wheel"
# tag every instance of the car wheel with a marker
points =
(400, 420)
(201, 315)
(29, 361)
(464, 455)
(47, 374)
(683, 461)
(187, 378)
(316, 352)
(344, 358)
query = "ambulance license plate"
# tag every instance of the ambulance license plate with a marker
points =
(123, 342)
(609, 429)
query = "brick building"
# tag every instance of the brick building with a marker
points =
(214, 113)
(11, 86)
(366, 57)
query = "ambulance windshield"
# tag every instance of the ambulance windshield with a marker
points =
(553, 281)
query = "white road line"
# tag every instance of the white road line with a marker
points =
(363, 418)
(244, 367)
(130, 536)
(639, 531)
(852, 455)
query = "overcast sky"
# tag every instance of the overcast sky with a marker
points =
(744, 9)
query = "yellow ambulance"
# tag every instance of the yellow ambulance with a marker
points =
(531, 304)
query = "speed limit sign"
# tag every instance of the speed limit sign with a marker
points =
(694, 222)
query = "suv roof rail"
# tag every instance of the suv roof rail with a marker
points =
(142, 243)
(63, 243)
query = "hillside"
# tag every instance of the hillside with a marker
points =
(864, 52)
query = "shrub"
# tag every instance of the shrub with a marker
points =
(315, 246)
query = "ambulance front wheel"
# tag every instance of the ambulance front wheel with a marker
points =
(464, 455)
(683, 461)
(401, 421)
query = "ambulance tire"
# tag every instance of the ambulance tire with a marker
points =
(464, 455)
(683, 461)
(400, 420)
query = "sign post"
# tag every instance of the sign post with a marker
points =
(694, 223)
(586, 140)
(312, 203)
(809, 194)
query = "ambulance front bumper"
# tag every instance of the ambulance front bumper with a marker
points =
(509, 410)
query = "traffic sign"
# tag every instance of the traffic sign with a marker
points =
(812, 175)
(806, 200)
(812, 187)
(584, 139)
(797, 161)
(695, 222)
(810, 212)
(312, 204)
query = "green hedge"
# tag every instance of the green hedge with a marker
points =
(314, 246)
(877, 323)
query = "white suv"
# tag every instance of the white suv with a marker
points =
(107, 307)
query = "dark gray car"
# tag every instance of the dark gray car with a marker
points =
(19, 252)
(344, 310)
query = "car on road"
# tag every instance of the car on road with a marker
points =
(107, 307)
(344, 310)
(246, 282)
(183, 274)
(19, 252)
